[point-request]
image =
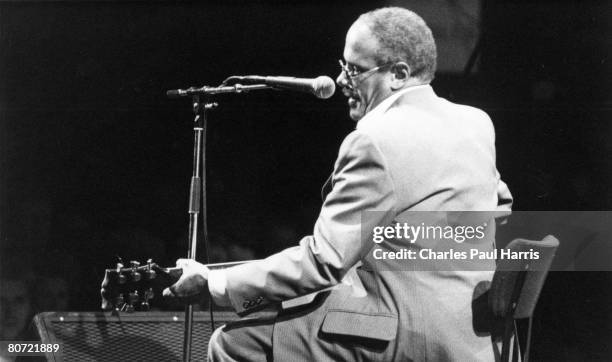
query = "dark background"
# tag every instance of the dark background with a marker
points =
(95, 161)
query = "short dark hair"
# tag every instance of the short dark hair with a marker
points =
(403, 36)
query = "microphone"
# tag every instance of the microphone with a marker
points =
(322, 86)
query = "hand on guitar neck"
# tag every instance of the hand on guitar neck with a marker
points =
(191, 287)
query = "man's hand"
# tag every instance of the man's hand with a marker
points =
(192, 285)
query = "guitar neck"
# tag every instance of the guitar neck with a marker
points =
(177, 271)
(228, 264)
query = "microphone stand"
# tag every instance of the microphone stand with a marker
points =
(197, 194)
(197, 188)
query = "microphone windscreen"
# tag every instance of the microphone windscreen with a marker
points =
(324, 87)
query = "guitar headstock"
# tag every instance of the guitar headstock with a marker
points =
(131, 288)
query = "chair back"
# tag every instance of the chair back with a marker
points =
(516, 286)
(517, 283)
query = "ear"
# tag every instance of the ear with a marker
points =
(400, 75)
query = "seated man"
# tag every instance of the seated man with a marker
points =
(411, 151)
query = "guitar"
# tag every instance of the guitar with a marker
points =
(131, 288)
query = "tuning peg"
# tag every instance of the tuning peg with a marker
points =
(119, 302)
(148, 295)
(121, 279)
(150, 273)
(135, 275)
(132, 300)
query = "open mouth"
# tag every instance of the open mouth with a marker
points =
(353, 99)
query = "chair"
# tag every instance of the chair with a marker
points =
(516, 287)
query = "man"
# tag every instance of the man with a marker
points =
(411, 151)
(15, 308)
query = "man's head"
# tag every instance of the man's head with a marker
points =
(386, 50)
(15, 308)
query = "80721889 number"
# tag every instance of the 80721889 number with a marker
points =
(28, 348)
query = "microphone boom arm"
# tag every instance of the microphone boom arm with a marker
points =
(206, 90)
(321, 87)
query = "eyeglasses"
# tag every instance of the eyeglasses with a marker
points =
(353, 71)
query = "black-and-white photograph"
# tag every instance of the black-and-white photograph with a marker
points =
(408, 180)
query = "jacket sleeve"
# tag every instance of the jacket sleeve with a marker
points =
(341, 237)
(504, 197)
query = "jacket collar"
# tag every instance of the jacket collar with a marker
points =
(411, 95)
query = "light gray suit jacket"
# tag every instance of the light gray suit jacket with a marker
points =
(422, 153)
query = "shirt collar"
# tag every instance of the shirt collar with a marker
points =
(383, 106)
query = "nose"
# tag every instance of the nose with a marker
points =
(342, 80)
